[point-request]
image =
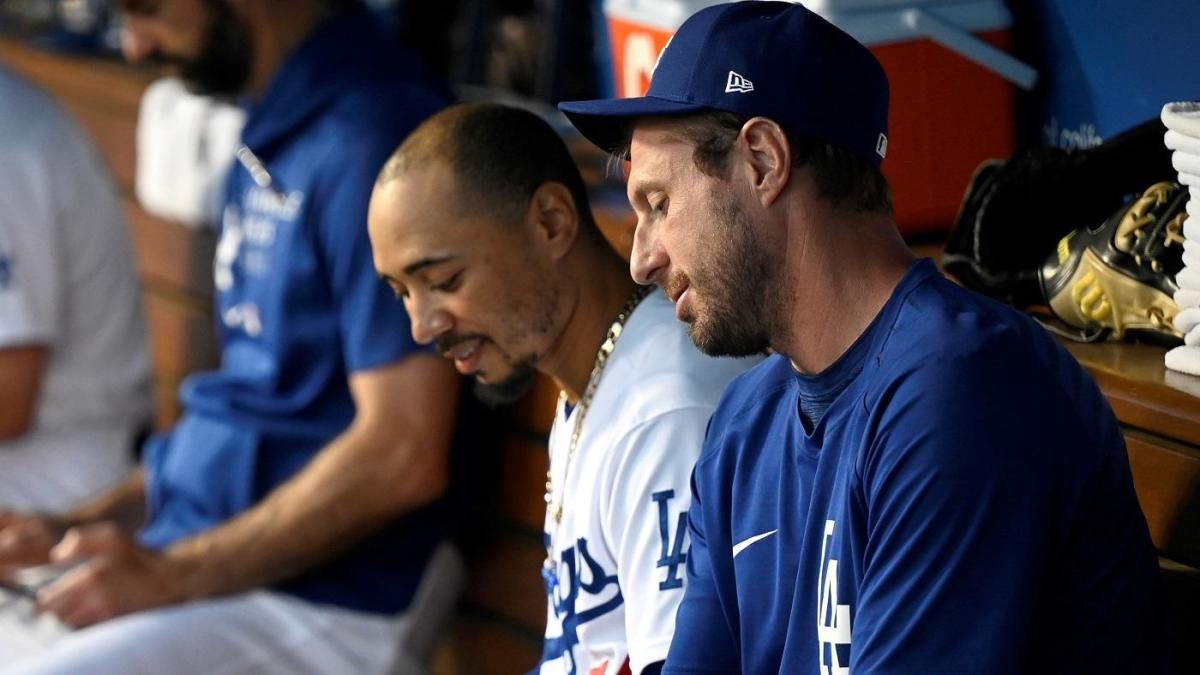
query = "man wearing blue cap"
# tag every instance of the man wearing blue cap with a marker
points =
(919, 480)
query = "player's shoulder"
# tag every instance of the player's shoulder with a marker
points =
(35, 128)
(382, 109)
(956, 348)
(932, 320)
(658, 369)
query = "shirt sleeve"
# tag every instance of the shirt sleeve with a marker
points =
(646, 525)
(374, 326)
(703, 643)
(963, 491)
(29, 266)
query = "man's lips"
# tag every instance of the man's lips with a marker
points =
(465, 354)
(679, 300)
(677, 292)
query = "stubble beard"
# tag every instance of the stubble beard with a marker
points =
(736, 286)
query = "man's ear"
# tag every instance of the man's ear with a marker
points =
(553, 218)
(764, 148)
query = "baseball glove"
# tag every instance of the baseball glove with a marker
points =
(1118, 278)
(1016, 211)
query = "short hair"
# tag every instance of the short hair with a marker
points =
(842, 177)
(499, 155)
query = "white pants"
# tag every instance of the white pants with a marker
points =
(51, 471)
(259, 632)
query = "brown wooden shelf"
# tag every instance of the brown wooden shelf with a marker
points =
(1143, 393)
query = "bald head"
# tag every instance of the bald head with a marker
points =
(498, 157)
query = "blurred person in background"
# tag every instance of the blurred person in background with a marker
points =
(481, 225)
(294, 520)
(74, 368)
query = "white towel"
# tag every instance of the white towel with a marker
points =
(1193, 209)
(1186, 298)
(1192, 339)
(185, 146)
(1188, 319)
(1181, 142)
(1185, 162)
(1185, 359)
(1183, 117)
(1191, 253)
(1189, 278)
(1189, 179)
(1191, 226)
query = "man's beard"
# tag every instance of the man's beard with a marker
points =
(735, 284)
(495, 394)
(509, 390)
(222, 68)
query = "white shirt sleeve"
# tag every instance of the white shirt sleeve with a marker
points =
(30, 271)
(646, 524)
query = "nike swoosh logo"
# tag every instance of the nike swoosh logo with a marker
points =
(746, 543)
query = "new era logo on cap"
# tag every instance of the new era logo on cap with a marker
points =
(737, 83)
(809, 76)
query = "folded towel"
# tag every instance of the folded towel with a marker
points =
(1191, 226)
(1192, 339)
(1191, 253)
(1186, 298)
(1189, 178)
(1184, 359)
(1193, 208)
(1182, 142)
(1186, 162)
(1189, 278)
(185, 146)
(1183, 117)
(1187, 319)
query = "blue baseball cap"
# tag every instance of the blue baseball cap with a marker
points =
(757, 58)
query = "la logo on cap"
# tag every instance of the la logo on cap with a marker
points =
(737, 83)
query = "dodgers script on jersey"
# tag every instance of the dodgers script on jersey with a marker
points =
(621, 548)
(964, 505)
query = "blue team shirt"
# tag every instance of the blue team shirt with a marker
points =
(964, 505)
(299, 308)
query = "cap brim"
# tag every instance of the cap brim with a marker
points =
(608, 122)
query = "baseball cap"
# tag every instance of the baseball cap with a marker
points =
(757, 58)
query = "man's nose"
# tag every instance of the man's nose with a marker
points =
(429, 321)
(648, 262)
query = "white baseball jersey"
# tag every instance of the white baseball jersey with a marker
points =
(67, 282)
(621, 549)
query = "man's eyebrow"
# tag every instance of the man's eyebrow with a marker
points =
(639, 187)
(423, 263)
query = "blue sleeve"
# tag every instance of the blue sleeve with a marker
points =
(374, 326)
(703, 641)
(963, 489)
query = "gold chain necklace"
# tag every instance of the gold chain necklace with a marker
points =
(554, 511)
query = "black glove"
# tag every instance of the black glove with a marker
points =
(1015, 212)
(1118, 277)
